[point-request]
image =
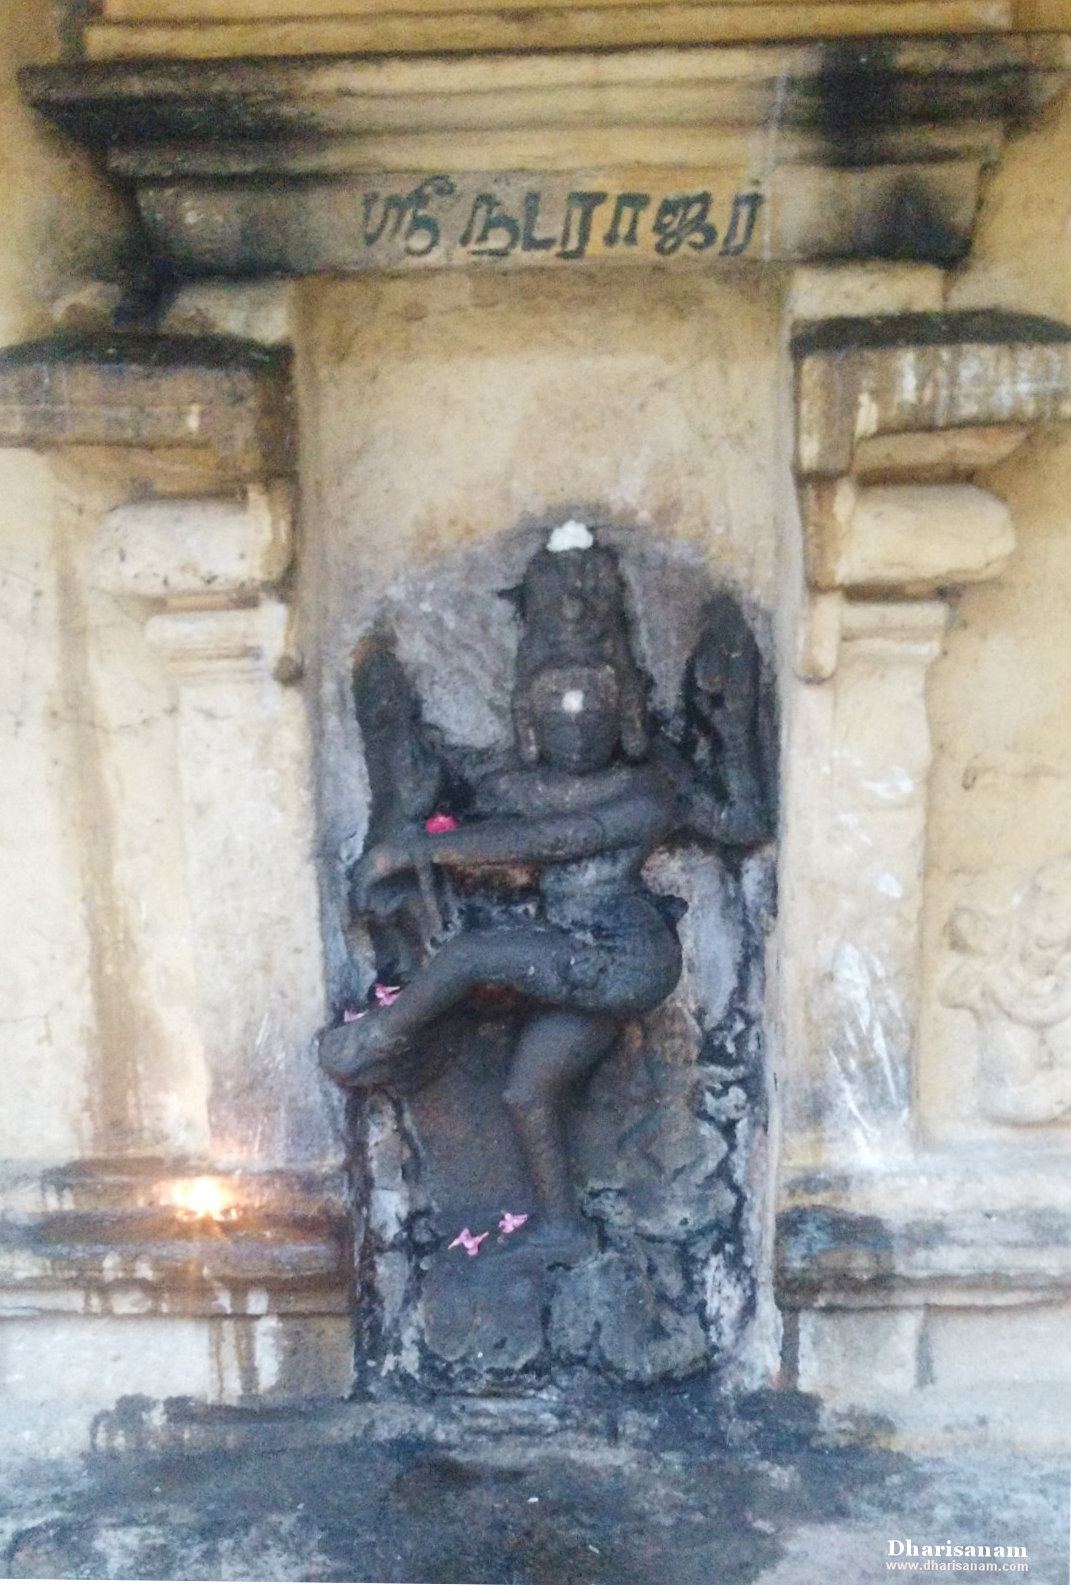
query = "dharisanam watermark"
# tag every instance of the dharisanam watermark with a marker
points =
(941, 1557)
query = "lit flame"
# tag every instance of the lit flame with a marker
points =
(202, 1199)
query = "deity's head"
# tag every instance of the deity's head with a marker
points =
(579, 695)
(1043, 926)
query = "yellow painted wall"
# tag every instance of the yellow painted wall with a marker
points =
(1001, 693)
(59, 220)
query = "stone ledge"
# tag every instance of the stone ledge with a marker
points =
(868, 150)
(924, 1234)
(914, 375)
(105, 1239)
(227, 399)
(904, 537)
(124, 106)
(201, 549)
(268, 27)
(895, 415)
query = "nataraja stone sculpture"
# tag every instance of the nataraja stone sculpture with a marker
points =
(592, 791)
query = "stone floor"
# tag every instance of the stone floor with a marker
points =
(667, 1488)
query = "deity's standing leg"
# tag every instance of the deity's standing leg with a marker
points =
(556, 1050)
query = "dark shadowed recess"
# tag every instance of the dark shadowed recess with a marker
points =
(987, 327)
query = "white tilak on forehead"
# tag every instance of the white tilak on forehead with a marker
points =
(573, 701)
(572, 535)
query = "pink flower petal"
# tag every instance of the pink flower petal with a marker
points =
(385, 994)
(439, 823)
(469, 1242)
(510, 1222)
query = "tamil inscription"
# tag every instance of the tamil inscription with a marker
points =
(398, 220)
(582, 222)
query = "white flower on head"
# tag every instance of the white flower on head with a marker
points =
(571, 536)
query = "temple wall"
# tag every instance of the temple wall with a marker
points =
(61, 223)
(439, 414)
(994, 934)
(159, 950)
(1000, 704)
(445, 409)
(177, 779)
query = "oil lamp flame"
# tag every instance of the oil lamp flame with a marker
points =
(202, 1199)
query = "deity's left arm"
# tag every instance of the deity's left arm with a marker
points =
(637, 818)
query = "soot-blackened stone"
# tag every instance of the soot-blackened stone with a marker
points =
(549, 1004)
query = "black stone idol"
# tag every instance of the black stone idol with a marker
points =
(533, 907)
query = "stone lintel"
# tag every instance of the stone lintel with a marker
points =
(869, 150)
(205, 28)
(125, 106)
(552, 209)
(224, 398)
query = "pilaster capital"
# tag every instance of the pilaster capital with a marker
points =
(197, 549)
(895, 414)
(211, 645)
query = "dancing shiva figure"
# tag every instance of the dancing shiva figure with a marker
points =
(591, 794)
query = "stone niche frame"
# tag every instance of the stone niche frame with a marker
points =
(668, 1135)
(235, 1272)
(878, 1230)
(893, 417)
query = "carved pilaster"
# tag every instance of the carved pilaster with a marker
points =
(212, 568)
(855, 807)
(895, 417)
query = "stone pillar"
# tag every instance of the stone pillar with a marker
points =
(855, 831)
(184, 1229)
(46, 968)
(211, 567)
(894, 417)
(890, 1248)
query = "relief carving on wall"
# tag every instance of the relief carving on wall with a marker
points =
(521, 944)
(1014, 977)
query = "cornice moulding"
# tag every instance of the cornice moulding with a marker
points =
(894, 417)
(853, 148)
(226, 401)
(826, 89)
(230, 28)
